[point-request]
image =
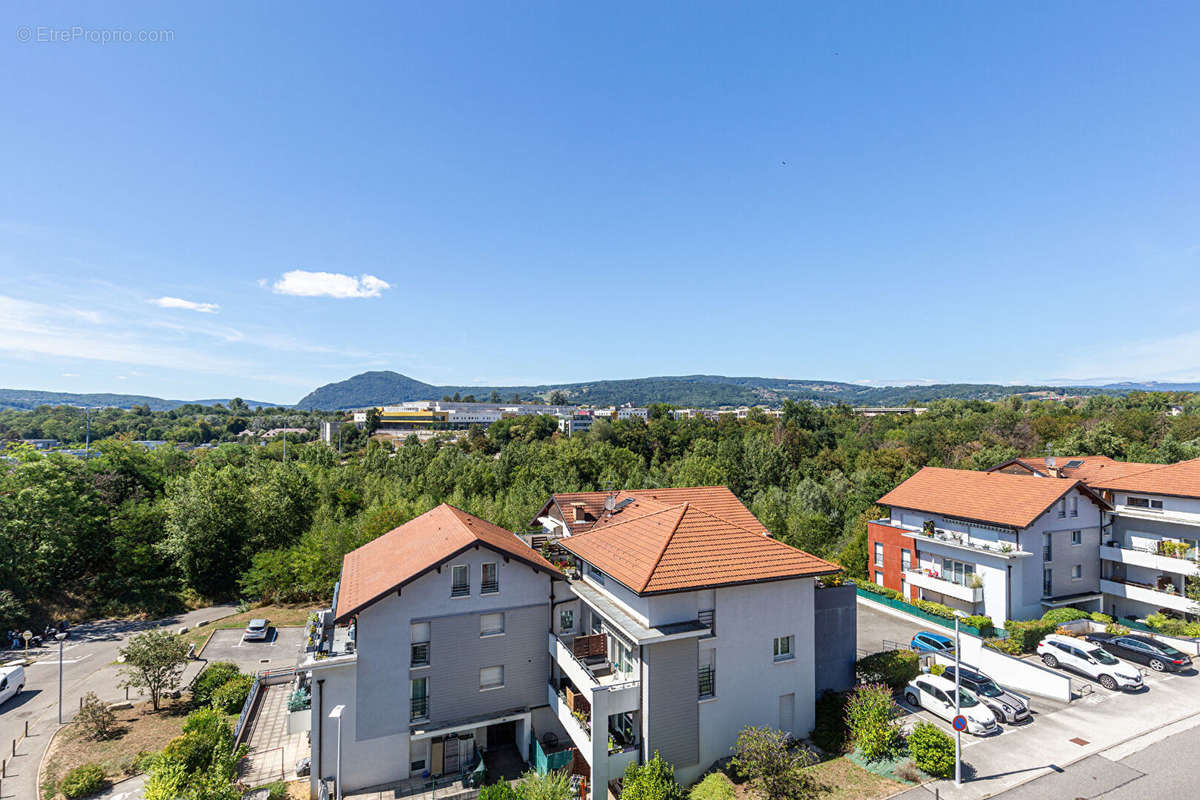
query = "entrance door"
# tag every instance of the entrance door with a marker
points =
(787, 712)
(450, 760)
(501, 734)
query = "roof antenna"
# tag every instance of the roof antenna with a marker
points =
(610, 499)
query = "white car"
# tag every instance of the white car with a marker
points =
(12, 681)
(936, 694)
(1088, 659)
(257, 630)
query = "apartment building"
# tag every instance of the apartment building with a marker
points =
(442, 652)
(686, 623)
(1006, 545)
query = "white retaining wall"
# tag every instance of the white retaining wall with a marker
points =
(1014, 673)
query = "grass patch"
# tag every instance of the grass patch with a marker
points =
(289, 616)
(837, 779)
(139, 730)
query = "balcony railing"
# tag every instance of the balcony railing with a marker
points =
(957, 539)
(490, 587)
(420, 654)
(707, 681)
(460, 590)
(420, 709)
(709, 619)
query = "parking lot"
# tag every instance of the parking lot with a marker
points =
(1058, 732)
(282, 648)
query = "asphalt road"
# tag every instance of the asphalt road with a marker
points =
(282, 648)
(88, 665)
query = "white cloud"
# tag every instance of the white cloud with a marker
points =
(70, 374)
(302, 283)
(1167, 358)
(189, 305)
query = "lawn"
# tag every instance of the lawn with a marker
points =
(838, 779)
(290, 616)
(141, 730)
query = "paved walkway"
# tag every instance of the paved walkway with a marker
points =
(273, 751)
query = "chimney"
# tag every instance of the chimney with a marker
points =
(610, 502)
(577, 512)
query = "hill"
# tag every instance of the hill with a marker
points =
(26, 399)
(383, 387)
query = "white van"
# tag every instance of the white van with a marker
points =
(12, 681)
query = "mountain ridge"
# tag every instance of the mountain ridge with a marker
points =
(28, 399)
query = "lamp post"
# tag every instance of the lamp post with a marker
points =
(957, 700)
(336, 713)
(60, 637)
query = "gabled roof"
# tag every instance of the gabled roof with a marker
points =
(381, 566)
(717, 500)
(1181, 479)
(1015, 501)
(654, 546)
(1089, 469)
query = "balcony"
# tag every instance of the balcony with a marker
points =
(1153, 559)
(916, 577)
(1146, 593)
(584, 660)
(578, 729)
(956, 541)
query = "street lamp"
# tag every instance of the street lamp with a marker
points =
(957, 700)
(336, 713)
(60, 637)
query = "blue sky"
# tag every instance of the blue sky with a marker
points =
(506, 193)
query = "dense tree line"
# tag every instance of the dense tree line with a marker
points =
(140, 530)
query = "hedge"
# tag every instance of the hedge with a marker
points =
(937, 609)
(932, 750)
(1024, 635)
(1104, 619)
(1170, 626)
(982, 623)
(82, 781)
(1060, 615)
(214, 676)
(875, 588)
(231, 695)
(892, 667)
(830, 731)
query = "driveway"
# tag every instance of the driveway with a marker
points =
(876, 627)
(282, 648)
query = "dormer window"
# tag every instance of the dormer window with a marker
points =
(1144, 502)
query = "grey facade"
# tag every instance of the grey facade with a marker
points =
(1066, 556)
(835, 621)
(670, 701)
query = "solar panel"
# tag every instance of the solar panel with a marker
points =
(1074, 464)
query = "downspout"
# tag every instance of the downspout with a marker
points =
(319, 767)
(643, 719)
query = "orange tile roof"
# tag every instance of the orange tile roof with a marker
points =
(995, 497)
(659, 544)
(383, 565)
(1091, 469)
(1181, 479)
(719, 500)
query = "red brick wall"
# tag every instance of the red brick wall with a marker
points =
(893, 542)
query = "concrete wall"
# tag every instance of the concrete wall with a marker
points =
(835, 633)
(1020, 674)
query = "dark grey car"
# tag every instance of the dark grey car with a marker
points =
(1003, 703)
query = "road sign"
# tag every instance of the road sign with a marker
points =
(27, 635)
(959, 723)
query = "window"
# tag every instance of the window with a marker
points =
(416, 766)
(1047, 581)
(1062, 507)
(491, 624)
(595, 574)
(1047, 549)
(491, 678)
(419, 636)
(566, 620)
(879, 554)
(1144, 502)
(784, 648)
(879, 578)
(460, 582)
(906, 560)
(1077, 572)
(490, 579)
(1073, 504)
(1076, 537)
(420, 698)
(958, 572)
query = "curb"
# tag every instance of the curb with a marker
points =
(207, 639)
(41, 771)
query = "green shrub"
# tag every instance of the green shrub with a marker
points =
(1116, 628)
(937, 669)
(715, 786)
(231, 695)
(204, 732)
(1060, 615)
(776, 770)
(830, 731)
(875, 588)
(932, 750)
(654, 780)
(1096, 616)
(1010, 646)
(983, 623)
(1171, 626)
(1024, 635)
(95, 718)
(894, 668)
(279, 791)
(871, 720)
(936, 609)
(214, 676)
(501, 790)
(82, 781)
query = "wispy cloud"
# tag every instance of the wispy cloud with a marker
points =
(302, 283)
(189, 305)
(1169, 358)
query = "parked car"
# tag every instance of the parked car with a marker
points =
(936, 694)
(257, 630)
(1088, 659)
(1142, 650)
(12, 681)
(930, 642)
(1007, 706)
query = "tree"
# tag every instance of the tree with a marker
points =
(372, 421)
(777, 769)
(95, 718)
(554, 785)
(494, 397)
(557, 398)
(870, 717)
(154, 661)
(654, 780)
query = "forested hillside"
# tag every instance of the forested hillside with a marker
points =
(135, 530)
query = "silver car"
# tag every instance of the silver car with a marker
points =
(257, 630)
(1006, 705)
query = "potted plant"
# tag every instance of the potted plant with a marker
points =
(927, 527)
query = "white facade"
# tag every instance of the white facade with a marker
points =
(1151, 550)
